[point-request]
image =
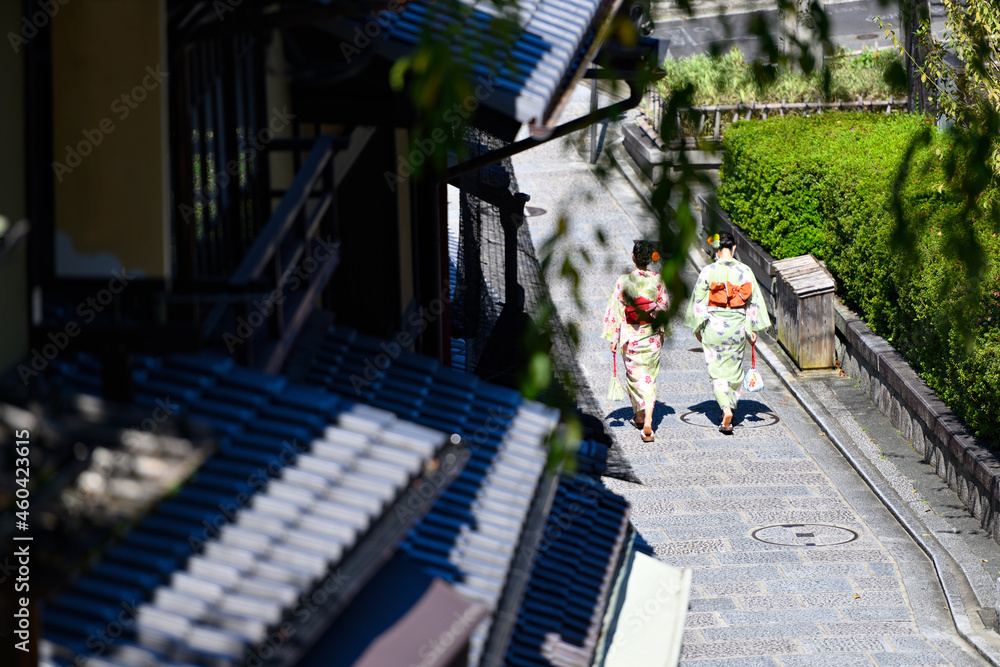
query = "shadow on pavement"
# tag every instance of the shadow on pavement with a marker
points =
(621, 416)
(747, 413)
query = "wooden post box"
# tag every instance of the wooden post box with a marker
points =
(803, 305)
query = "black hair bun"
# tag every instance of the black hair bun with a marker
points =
(643, 252)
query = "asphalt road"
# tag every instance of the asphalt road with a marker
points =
(852, 24)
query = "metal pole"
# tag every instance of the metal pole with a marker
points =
(593, 126)
(511, 218)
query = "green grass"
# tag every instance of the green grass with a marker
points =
(729, 79)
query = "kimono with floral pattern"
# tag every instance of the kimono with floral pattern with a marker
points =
(639, 343)
(724, 330)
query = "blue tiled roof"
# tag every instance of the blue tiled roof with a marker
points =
(468, 537)
(563, 608)
(550, 46)
(260, 417)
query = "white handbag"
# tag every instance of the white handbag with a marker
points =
(753, 381)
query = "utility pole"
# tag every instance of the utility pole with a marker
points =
(914, 12)
(797, 27)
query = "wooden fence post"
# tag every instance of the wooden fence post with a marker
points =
(653, 108)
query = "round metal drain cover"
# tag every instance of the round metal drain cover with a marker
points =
(712, 417)
(699, 349)
(804, 535)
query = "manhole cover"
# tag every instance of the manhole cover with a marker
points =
(712, 417)
(532, 211)
(804, 535)
(699, 349)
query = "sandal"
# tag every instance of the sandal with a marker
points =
(725, 429)
(648, 438)
(638, 424)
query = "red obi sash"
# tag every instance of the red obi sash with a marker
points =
(640, 312)
(728, 295)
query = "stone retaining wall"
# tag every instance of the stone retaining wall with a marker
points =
(971, 470)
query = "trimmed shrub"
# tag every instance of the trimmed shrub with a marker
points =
(823, 185)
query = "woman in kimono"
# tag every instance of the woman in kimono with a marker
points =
(725, 310)
(629, 323)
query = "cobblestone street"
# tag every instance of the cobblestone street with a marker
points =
(796, 561)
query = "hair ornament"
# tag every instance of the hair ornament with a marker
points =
(656, 256)
(713, 241)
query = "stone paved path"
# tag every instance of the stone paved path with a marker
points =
(796, 562)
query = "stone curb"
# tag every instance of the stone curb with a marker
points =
(937, 552)
(970, 469)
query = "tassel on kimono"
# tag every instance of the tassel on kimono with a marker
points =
(615, 391)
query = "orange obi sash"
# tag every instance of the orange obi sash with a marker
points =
(728, 295)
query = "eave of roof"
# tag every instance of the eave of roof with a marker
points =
(531, 79)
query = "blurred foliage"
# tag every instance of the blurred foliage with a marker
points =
(965, 88)
(730, 79)
(835, 186)
(437, 76)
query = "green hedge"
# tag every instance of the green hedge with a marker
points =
(823, 185)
